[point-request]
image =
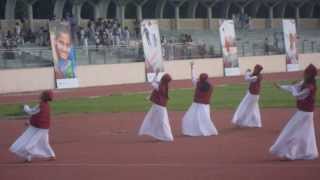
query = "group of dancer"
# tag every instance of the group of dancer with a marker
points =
(296, 141)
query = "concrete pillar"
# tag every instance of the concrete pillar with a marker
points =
(192, 8)
(242, 9)
(177, 17)
(209, 14)
(226, 10)
(103, 7)
(121, 14)
(159, 8)
(297, 7)
(283, 10)
(242, 6)
(177, 5)
(76, 11)
(139, 13)
(10, 9)
(139, 4)
(254, 9)
(311, 10)
(209, 5)
(297, 12)
(271, 5)
(30, 16)
(271, 12)
(176, 12)
(58, 8)
(271, 15)
(96, 11)
(121, 9)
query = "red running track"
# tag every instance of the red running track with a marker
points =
(106, 146)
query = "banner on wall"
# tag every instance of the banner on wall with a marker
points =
(64, 55)
(152, 48)
(229, 47)
(291, 42)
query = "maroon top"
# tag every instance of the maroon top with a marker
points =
(160, 96)
(307, 104)
(254, 87)
(41, 119)
(202, 97)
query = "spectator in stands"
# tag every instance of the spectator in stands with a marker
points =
(80, 35)
(97, 40)
(202, 47)
(1, 37)
(117, 34)
(137, 29)
(189, 46)
(275, 40)
(126, 36)
(17, 29)
(171, 50)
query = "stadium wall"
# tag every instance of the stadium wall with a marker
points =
(22, 80)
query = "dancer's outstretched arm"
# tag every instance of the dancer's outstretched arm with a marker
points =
(193, 74)
(248, 76)
(154, 82)
(31, 111)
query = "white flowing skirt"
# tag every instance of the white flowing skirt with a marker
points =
(34, 142)
(156, 124)
(297, 140)
(197, 121)
(248, 112)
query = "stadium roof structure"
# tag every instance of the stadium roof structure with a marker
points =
(168, 8)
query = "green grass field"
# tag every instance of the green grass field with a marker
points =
(227, 96)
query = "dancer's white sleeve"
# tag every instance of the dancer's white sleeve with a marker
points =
(31, 111)
(295, 90)
(193, 77)
(301, 94)
(250, 78)
(155, 83)
(288, 88)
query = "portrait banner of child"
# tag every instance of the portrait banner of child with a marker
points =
(152, 48)
(64, 55)
(291, 43)
(229, 47)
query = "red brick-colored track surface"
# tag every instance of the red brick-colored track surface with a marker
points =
(106, 146)
(118, 89)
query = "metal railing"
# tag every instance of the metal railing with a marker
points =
(42, 57)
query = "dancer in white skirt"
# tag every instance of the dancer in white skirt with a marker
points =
(156, 122)
(248, 112)
(197, 120)
(297, 140)
(34, 142)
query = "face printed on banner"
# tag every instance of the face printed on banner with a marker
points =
(227, 44)
(65, 55)
(63, 45)
(292, 40)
